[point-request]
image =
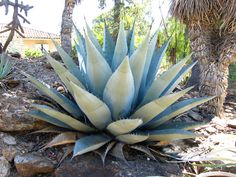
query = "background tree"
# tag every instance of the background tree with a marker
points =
(67, 24)
(15, 25)
(212, 27)
(129, 12)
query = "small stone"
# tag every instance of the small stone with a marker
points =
(9, 140)
(32, 164)
(195, 116)
(232, 124)
(9, 153)
(4, 167)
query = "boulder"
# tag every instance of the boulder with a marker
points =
(32, 164)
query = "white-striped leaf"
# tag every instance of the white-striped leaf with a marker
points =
(90, 143)
(119, 91)
(98, 70)
(152, 109)
(124, 126)
(96, 110)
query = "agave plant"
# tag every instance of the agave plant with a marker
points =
(115, 96)
(5, 66)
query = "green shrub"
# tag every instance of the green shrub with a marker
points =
(33, 53)
(114, 95)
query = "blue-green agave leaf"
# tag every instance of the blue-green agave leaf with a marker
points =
(90, 143)
(98, 70)
(132, 138)
(152, 109)
(156, 62)
(119, 91)
(42, 116)
(170, 135)
(150, 52)
(180, 125)
(176, 109)
(63, 73)
(63, 101)
(131, 40)
(70, 64)
(81, 42)
(123, 126)
(6, 69)
(178, 78)
(66, 119)
(108, 45)
(137, 63)
(121, 48)
(163, 81)
(93, 39)
(96, 110)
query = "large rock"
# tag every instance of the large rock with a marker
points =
(4, 167)
(14, 106)
(32, 164)
(91, 165)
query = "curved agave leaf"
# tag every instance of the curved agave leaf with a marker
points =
(131, 40)
(121, 48)
(123, 126)
(70, 64)
(156, 62)
(118, 151)
(108, 45)
(73, 123)
(176, 109)
(162, 82)
(119, 91)
(42, 116)
(63, 73)
(103, 154)
(178, 79)
(97, 111)
(180, 125)
(170, 135)
(63, 101)
(81, 43)
(152, 109)
(150, 52)
(143, 149)
(93, 39)
(61, 139)
(137, 63)
(98, 70)
(132, 138)
(90, 143)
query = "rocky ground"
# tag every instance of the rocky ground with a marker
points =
(21, 152)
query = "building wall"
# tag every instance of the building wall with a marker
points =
(21, 44)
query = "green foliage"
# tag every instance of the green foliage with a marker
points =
(114, 95)
(137, 12)
(5, 66)
(180, 45)
(33, 53)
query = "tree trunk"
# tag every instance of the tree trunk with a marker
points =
(214, 54)
(67, 25)
(214, 82)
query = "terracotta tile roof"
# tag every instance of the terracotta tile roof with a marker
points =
(30, 33)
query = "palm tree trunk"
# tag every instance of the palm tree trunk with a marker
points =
(214, 82)
(214, 58)
(67, 25)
